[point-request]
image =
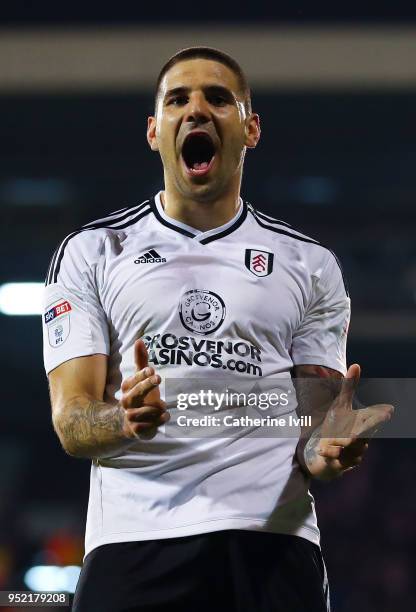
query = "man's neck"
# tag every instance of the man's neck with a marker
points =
(202, 216)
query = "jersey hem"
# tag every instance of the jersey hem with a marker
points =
(282, 527)
(97, 351)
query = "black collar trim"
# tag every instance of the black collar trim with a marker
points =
(170, 225)
(206, 240)
(230, 229)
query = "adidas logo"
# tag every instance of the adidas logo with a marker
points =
(150, 256)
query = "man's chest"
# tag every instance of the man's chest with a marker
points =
(220, 289)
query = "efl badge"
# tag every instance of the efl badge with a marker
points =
(57, 319)
(259, 262)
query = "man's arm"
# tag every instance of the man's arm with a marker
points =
(338, 437)
(89, 427)
(316, 389)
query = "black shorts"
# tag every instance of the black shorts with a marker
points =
(223, 571)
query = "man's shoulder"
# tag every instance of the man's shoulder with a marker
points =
(314, 254)
(85, 245)
(121, 219)
(91, 235)
(284, 230)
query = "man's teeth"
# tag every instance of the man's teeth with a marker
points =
(200, 166)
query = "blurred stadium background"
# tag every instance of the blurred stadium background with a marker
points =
(336, 92)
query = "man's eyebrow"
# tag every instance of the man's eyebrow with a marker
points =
(219, 89)
(210, 88)
(176, 90)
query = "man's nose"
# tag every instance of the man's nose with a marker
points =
(197, 110)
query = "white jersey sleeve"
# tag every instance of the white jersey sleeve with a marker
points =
(74, 322)
(321, 337)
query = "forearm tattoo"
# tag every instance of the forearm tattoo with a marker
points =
(91, 429)
(311, 447)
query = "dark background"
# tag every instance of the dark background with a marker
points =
(48, 12)
(338, 165)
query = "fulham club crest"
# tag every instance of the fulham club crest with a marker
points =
(259, 263)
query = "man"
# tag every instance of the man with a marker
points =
(198, 283)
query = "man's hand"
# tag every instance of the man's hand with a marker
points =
(339, 444)
(144, 410)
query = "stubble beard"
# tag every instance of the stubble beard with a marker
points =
(211, 189)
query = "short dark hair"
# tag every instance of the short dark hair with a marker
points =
(215, 55)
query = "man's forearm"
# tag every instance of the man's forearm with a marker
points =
(91, 428)
(316, 388)
(309, 459)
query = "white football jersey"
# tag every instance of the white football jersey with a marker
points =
(247, 301)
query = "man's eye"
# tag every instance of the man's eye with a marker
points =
(178, 100)
(217, 100)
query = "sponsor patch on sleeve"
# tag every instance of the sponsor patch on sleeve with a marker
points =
(57, 320)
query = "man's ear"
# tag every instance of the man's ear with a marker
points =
(151, 133)
(253, 131)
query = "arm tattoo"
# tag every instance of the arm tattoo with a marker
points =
(316, 389)
(311, 446)
(92, 429)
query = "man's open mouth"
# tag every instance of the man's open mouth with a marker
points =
(198, 152)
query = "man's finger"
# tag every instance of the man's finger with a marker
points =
(141, 357)
(343, 464)
(139, 376)
(358, 447)
(137, 394)
(148, 429)
(145, 414)
(145, 431)
(330, 452)
(368, 427)
(354, 449)
(343, 442)
(348, 462)
(348, 386)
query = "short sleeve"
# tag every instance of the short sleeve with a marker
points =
(321, 337)
(73, 320)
